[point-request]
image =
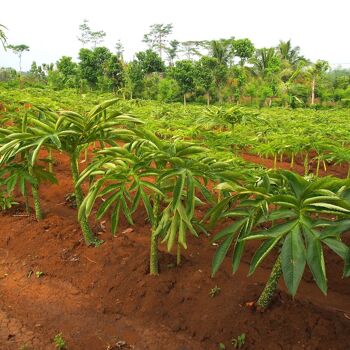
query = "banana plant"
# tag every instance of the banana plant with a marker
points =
(71, 133)
(300, 216)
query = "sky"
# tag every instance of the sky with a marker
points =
(51, 27)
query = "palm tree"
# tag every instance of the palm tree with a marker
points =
(221, 50)
(289, 53)
(316, 71)
(263, 61)
(3, 37)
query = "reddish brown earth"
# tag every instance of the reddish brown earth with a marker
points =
(96, 297)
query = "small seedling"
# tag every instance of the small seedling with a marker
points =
(215, 291)
(59, 342)
(239, 342)
(24, 347)
(222, 346)
(71, 200)
(39, 274)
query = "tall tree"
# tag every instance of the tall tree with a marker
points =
(172, 51)
(18, 50)
(316, 72)
(93, 63)
(97, 38)
(85, 31)
(156, 38)
(119, 48)
(191, 48)
(289, 53)
(221, 50)
(3, 37)
(150, 61)
(204, 77)
(243, 49)
(184, 73)
(88, 36)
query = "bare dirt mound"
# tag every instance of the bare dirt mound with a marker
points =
(102, 298)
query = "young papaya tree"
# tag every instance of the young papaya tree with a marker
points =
(163, 176)
(71, 133)
(300, 216)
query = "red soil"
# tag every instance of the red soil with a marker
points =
(98, 296)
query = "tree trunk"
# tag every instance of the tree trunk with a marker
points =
(185, 102)
(178, 255)
(313, 91)
(153, 261)
(208, 98)
(35, 194)
(84, 224)
(269, 291)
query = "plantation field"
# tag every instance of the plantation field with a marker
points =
(122, 222)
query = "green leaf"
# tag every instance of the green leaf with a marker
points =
(346, 272)
(231, 229)
(220, 254)
(106, 204)
(315, 259)
(337, 246)
(173, 230)
(261, 253)
(180, 182)
(293, 259)
(275, 231)
(115, 218)
(237, 255)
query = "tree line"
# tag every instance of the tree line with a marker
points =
(209, 71)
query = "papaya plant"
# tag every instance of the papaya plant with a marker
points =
(302, 217)
(163, 176)
(71, 133)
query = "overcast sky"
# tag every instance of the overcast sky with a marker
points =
(50, 27)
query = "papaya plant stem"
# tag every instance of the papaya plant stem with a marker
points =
(36, 200)
(84, 224)
(178, 255)
(292, 161)
(153, 261)
(306, 164)
(318, 166)
(275, 161)
(50, 161)
(270, 289)
(35, 194)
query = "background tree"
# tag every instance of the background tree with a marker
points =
(243, 49)
(18, 50)
(97, 38)
(184, 73)
(3, 37)
(316, 72)
(85, 31)
(115, 72)
(172, 51)
(156, 38)
(204, 75)
(135, 78)
(119, 49)
(93, 63)
(88, 36)
(150, 61)
(289, 53)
